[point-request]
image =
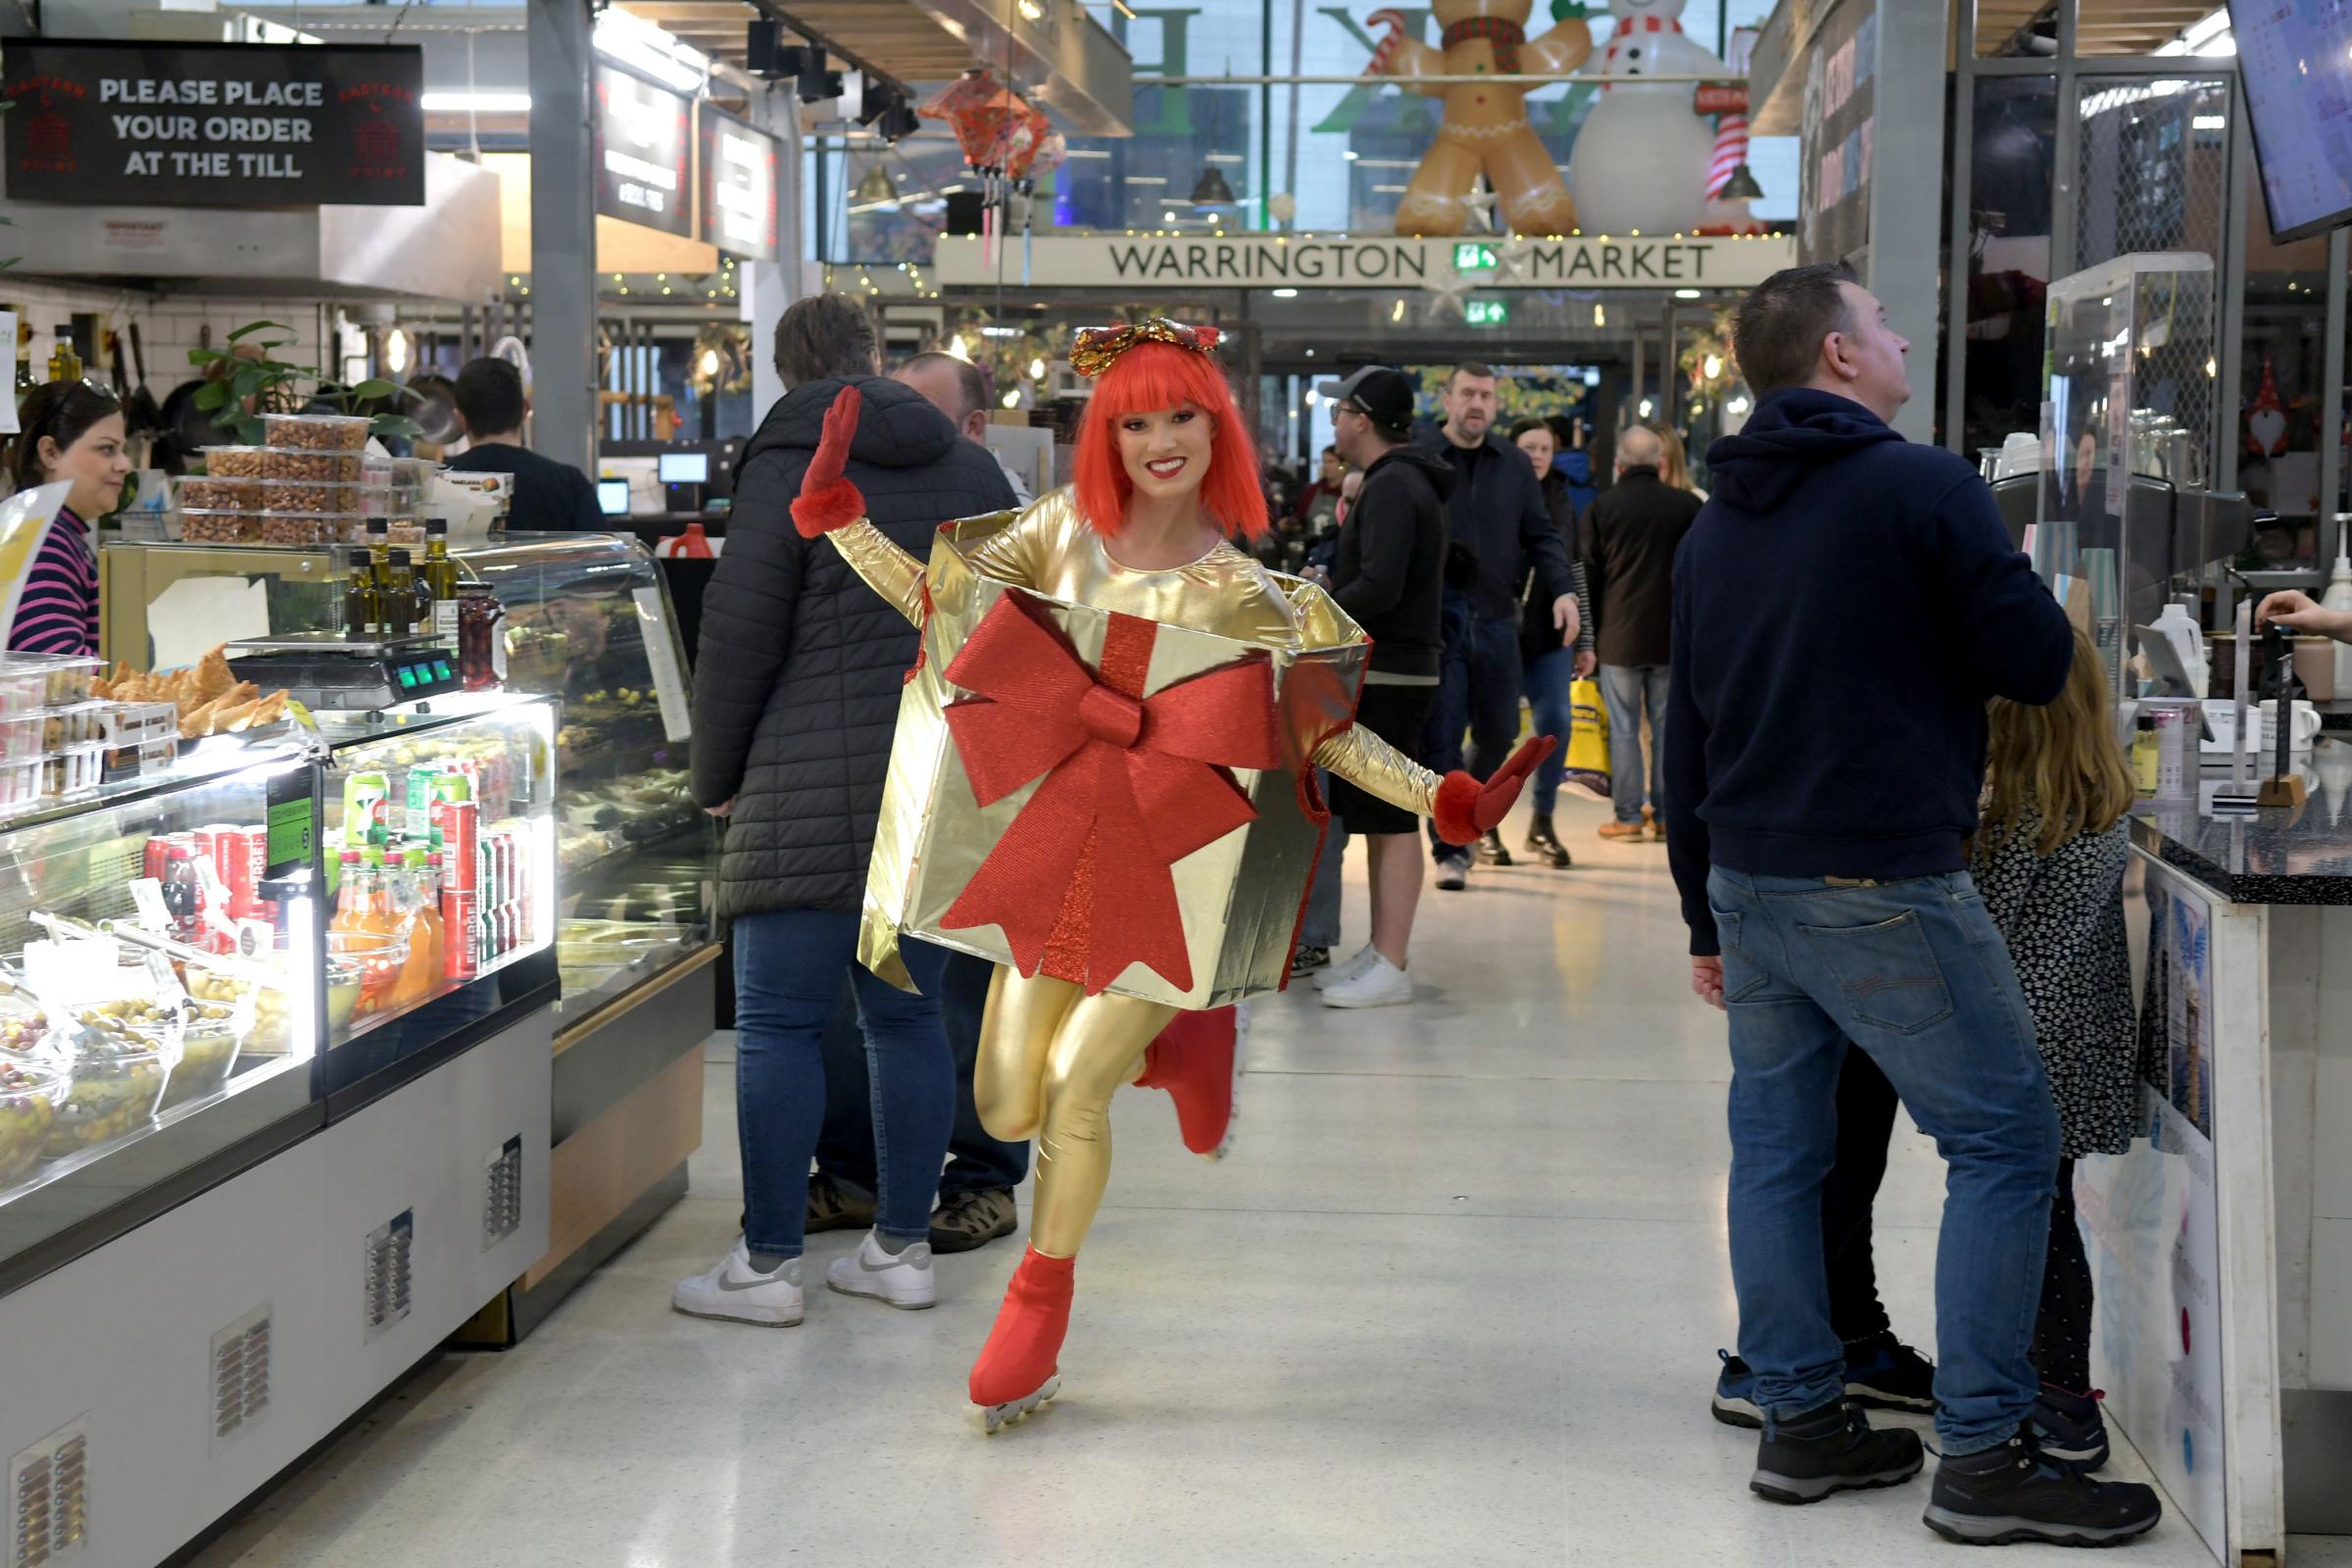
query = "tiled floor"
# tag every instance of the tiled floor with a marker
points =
(1453, 1300)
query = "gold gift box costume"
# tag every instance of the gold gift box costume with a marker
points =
(1236, 895)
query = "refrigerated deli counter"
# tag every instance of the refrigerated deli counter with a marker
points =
(584, 618)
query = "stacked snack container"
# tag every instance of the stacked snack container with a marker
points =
(303, 485)
(50, 731)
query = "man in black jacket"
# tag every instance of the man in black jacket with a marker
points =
(1498, 526)
(1630, 535)
(796, 699)
(1844, 608)
(1389, 576)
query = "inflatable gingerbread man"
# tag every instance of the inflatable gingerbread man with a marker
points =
(1485, 127)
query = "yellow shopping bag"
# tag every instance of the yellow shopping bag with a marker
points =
(1587, 738)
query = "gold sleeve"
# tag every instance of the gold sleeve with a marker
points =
(1376, 767)
(887, 569)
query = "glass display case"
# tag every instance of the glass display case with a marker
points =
(160, 1000)
(583, 617)
(438, 856)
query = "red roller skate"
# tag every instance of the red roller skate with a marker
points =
(1019, 1367)
(1198, 1060)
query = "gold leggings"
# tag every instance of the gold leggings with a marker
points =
(1051, 1058)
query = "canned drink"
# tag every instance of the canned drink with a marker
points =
(2172, 750)
(236, 855)
(461, 848)
(450, 784)
(416, 799)
(156, 857)
(502, 859)
(367, 809)
(461, 934)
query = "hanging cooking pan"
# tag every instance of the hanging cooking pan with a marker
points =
(432, 402)
(140, 415)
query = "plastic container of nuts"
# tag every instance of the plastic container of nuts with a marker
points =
(202, 527)
(315, 432)
(306, 495)
(234, 463)
(211, 493)
(314, 467)
(312, 528)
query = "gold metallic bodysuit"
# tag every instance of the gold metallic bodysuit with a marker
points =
(1050, 1055)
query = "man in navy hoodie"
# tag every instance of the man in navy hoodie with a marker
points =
(1844, 608)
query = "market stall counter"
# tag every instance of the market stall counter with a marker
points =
(272, 1095)
(585, 618)
(2221, 1244)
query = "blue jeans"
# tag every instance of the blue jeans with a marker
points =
(1915, 973)
(1550, 674)
(789, 965)
(1478, 691)
(1625, 688)
(845, 1150)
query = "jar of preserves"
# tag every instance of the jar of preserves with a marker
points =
(481, 638)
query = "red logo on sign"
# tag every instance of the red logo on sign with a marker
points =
(48, 144)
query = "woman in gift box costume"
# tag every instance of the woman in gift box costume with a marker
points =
(1132, 782)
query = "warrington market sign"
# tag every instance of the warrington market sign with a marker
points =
(1369, 261)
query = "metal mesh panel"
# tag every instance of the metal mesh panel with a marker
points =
(2152, 174)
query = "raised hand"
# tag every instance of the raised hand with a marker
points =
(828, 500)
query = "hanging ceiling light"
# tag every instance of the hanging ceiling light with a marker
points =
(1212, 191)
(874, 187)
(1741, 186)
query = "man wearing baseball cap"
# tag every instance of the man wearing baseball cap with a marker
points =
(1389, 576)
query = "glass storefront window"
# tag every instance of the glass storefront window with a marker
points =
(2008, 256)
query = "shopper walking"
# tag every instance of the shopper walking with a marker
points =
(1317, 508)
(960, 390)
(68, 431)
(1552, 667)
(1631, 536)
(1319, 926)
(549, 496)
(1389, 577)
(2049, 861)
(1842, 608)
(794, 702)
(1498, 529)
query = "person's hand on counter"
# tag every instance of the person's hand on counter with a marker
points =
(2299, 611)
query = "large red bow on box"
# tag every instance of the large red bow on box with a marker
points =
(1082, 881)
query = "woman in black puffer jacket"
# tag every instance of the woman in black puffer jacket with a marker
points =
(796, 699)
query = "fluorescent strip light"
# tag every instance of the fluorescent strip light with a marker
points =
(480, 103)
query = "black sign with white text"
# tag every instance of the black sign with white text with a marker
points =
(642, 173)
(739, 186)
(188, 124)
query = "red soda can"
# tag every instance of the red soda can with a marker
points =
(248, 850)
(156, 857)
(460, 923)
(462, 845)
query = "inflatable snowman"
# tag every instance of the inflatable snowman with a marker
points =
(1640, 161)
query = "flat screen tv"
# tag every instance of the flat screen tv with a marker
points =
(2295, 59)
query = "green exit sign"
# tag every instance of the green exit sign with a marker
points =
(1471, 256)
(1487, 313)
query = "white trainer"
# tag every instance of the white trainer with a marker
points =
(1380, 985)
(734, 1291)
(904, 1281)
(1346, 969)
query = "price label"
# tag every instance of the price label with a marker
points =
(670, 682)
(147, 898)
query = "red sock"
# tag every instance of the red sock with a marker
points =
(1024, 1348)
(1193, 1060)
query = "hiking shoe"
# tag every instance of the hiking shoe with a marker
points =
(966, 1220)
(1620, 830)
(1831, 1448)
(2070, 1426)
(1306, 961)
(1454, 872)
(1883, 1373)
(1735, 1402)
(1491, 851)
(2014, 1491)
(835, 1207)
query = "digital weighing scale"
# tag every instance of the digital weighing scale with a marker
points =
(331, 673)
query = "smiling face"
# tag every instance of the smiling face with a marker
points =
(96, 462)
(1165, 451)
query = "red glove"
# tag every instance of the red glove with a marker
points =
(1468, 811)
(827, 500)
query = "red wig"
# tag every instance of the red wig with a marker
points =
(1143, 379)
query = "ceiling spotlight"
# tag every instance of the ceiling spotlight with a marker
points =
(1741, 186)
(875, 188)
(1212, 191)
(897, 122)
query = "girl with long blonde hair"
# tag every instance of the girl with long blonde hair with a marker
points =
(2048, 858)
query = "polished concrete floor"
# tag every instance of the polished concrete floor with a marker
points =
(1454, 1299)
